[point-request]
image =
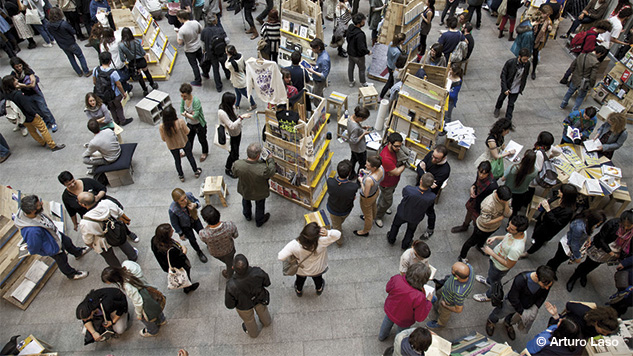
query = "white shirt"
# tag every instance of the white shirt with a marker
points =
(616, 28)
(317, 262)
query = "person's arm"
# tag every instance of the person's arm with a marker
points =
(231, 125)
(286, 252)
(91, 329)
(453, 308)
(357, 134)
(90, 150)
(536, 344)
(422, 311)
(175, 223)
(504, 76)
(136, 299)
(494, 151)
(514, 296)
(31, 85)
(608, 147)
(270, 169)
(266, 279)
(504, 261)
(197, 114)
(366, 186)
(396, 171)
(121, 90)
(594, 74)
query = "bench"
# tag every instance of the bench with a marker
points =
(119, 172)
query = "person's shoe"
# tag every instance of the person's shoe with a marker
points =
(363, 235)
(253, 107)
(442, 133)
(441, 23)
(80, 275)
(261, 22)
(342, 54)
(4, 158)
(389, 211)
(426, 235)
(144, 333)
(583, 281)
(58, 147)
(564, 81)
(379, 223)
(391, 242)
(219, 89)
(328, 18)
(433, 325)
(364, 85)
(510, 330)
(533, 75)
(203, 157)
(84, 251)
(478, 27)
(127, 121)
(463, 260)
(570, 285)
(248, 218)
(299, 292)
(88, 74)
(192, 288)
(134, 237)
(490, 327)
(145, 92)
(320, 291)
(54, 128)
(511, 38)
(162, 322)
(254, 35)
(362, 217)
(195, 83)
(352, 84)
(24, 131)
(32, 45)
(182, 178)
(564, 36)
(130, 93)
(266, 217)
(202, 257)
(500, 34)
(229, 173)
(225, 274)
(481, 297)
(244, 328)
(496, 113)
(198, 172)
(458, 229)
(481, 279)
(47, 45)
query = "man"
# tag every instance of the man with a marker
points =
(113, 95)
(92, 225)
(299, 75)
(212, 7)
(215, 41)
(474, 5)
(42, 237)
(504, 256)
(198, 10)
(594, 11)
(451, 38)
(435, 162)
(322, 68)
(189, 37)
(356, 137)
(354, 5)
(341, 195)
(393, 169)
(103, 148)
(219, 236)
(269, 6)
(513, 77)
(587, 43)
(584, 120)
(467, 31)
(414, 341)
(249, 6)
(451, 6)
(584, 74)
(356, 49)
(451, 297)
(253, 174)
(494, 208)
(411, 210)
(528, 293)
(245, 292)
(617, 22)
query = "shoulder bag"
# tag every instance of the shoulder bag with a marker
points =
(32, 16)
(176, 277)
(291, 265)
(115, 231)
(153, 302)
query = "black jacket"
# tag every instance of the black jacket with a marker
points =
(520, 296)
(176, 257)
(551, 223)
(63, 33)
(244, 292)
(509, 71)
(606, 235)
(356, 42)
(112, 299)
(25, 103)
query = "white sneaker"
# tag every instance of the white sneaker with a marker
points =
(84, 251)
(481, 297)
(16, 128)
(47, 45)
(24, 131)
(389, 211)
(80, 275)
(352, 84)
(481, 279)
(379, 222)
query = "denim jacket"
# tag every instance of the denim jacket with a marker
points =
(576, 237)
(179, 217)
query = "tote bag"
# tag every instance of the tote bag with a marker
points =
(32, 17)
(176, 277)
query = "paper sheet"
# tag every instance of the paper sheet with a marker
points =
(513, 146)
(23, 290)
(37, 271)
(592, 145)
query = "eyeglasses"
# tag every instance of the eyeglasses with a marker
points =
(396, 146)
(436, 158)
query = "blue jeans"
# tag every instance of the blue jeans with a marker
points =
(494, 275)
(579, 98)
(46, 114)
(4, 147)
(72, 52)
(239, 93)
(385, 328)
(43, 31)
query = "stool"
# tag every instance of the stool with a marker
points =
(341, 127)
(118, 130)
(215, 186)
(338, 101)
(120, 171)
(368, 96)
(621, 196)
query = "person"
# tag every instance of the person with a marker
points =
(5, 150)
(298, 74)
(511, 14)
(291, 92)
(189, 37)
(93, 223)
(29, 84)
(341, 195)
(484, 185)
(271, 32)
(64, 34)
(434, 56)
(617, 22)
(253, 174)
(375, 16)
(414, 206)
(356, 137)
(321, 71)
(101, 74)
(110, 41)
(451, 296)
(544, 148)
(411, 342)
(594, 11)
(435, 162)
(610, 244)
(504, 256)
(425, 24)
(611, 134)
(42, 28)
(357, 49)
(393, 53)
(131, 280)
(473, 6)
(174, 131)
(310, 249)
(449, 9)
(219, 237)
(266, 12)
(191, 109)
(621, 5)
(418, 252)
(15, 9)
(97, 6)
(592, 320)
(495, 142)
(342, 20)
(215, 41)
(584, 120)
(173, 6)
(32, 118)
(44, 239)
(233, 124)
(493, 209)
(96, 109)
(518, 178)
(96, 34)
(584, 75)
(622, 299)
(73, 188)
(171, 254)
(451, 38)
(407, 301)
(589, 44)
(565, 329)
(392, 171)
(455, 76)
(513, 78)
(132, 52)
(553, 219)
(183, 216)
(370, 178)
(246, 293)
(103, 311)
(541, 28)
(526, 296)
(248, 6)
(102, 149)
(237, 67)
(581, 228)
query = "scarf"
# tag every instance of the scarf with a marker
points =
(624, 239)
(480, 185)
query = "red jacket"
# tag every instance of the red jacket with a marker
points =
(405, 305)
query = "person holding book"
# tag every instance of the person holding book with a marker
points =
(582, 120)
(612, 134)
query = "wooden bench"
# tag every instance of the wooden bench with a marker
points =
(621, 196)
(368, 96)
(215, 186)
(119, 172)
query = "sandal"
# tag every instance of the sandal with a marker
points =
(299, 292)
(182, 178)
(198, 173)
(182, 153)
(203, 157)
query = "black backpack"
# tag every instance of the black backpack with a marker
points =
(103, 86)
(114, 231)
(218, 46)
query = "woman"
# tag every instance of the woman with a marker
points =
(64, 34)
(511, 13)
(110, 42)
(407, 301)
(96, 34)
(565, 329)
(96, 109)
(174, 132)
(541, 28)
(28, 83)
(584, 120)
(233, 124)
(612, 134)
(455, 75)
(553, 220)
(169, 252)
(271, 34)
(131, 280)
(191, 109)
(132, 52)
(291, 90)
(370, 179)
(15, 9)
(41, 28)
(393, 53)
(484, 185)
(173, 6)
(435, 56)
(103, 312)
(418, 252)
(342, 19)
(611, 244)
(518, 178)
(496, 144)
(580, 230)
(310, 250)
(236, 65)
(622, 4)
(425, 25)
(183, 215)
(375, 16)
(592, 320)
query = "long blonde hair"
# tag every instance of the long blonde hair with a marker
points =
(618, 122)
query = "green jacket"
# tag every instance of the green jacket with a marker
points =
(197, 109)
(253, 178)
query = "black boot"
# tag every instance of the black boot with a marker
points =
(342, 52)
(570, 284)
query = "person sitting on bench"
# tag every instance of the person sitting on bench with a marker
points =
(104, 148)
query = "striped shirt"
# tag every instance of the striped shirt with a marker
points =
(272, 34)
(455, 292)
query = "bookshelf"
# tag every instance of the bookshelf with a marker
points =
(402, 16)
(617, 84)
(300, 24)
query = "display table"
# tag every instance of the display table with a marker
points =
(478, 344)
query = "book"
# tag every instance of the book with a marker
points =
(592, 145)
(513, 146)
(573, 134)
(593, 187)
(611, 171)
(577, 180)
(609, 183)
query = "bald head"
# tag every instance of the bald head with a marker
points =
(86, 199)
(461, 270)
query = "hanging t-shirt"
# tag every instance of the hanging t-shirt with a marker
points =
(265, 78)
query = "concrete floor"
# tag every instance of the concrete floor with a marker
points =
(343, 321)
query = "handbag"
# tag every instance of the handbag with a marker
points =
(221, 135)
(32, 16)
(291, 265)
(176, 277)
(497, 168)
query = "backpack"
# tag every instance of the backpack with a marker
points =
(13, 112)
(460, 52)
(103, 86)
(578, 42)
(3, 107)
(114, 231)
(496, 297)
(547, 177)
(218, 46)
